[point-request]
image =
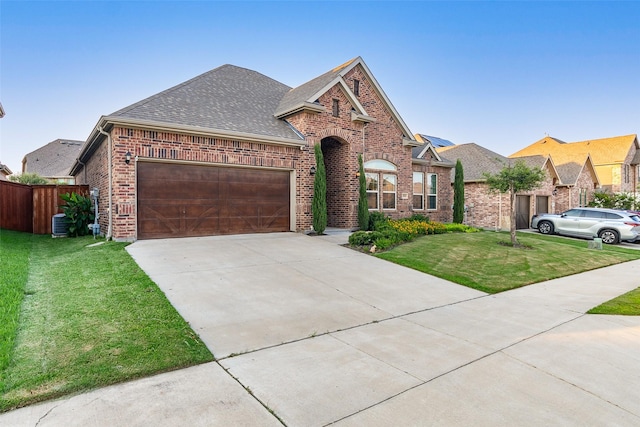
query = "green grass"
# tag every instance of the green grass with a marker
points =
(627, 304)
(89, 317)
(479, 261)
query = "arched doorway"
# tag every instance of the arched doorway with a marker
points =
(339, 182)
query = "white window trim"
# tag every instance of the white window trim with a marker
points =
(429, 195)
(413, 182)
(394, 192)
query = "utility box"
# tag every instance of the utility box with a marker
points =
(595, 244)
(59, 226)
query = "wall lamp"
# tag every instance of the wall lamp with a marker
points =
(555, 191)
(312, 171)
(127, 157)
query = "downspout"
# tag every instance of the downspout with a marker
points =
(110, 222)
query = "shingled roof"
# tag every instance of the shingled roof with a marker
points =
(476, 160)
(53, 160)
(228, 97)
(602, 151)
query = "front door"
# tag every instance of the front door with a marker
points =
(522, 212)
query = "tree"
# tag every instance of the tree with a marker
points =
(363, 205)
(512, 179)
(319, 204)
(29, 178)
(458, 194)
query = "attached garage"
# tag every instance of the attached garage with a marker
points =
(183, 200)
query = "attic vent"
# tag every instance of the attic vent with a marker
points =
(59, 225)
(356, 87)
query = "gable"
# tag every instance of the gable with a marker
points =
(305, 97)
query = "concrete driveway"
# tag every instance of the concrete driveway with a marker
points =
(309, 333)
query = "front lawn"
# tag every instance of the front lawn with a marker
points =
(627, 304)
(478, 261)
(88, 317)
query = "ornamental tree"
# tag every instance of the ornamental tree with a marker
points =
(458, 194)
(513, 179)
(319, 204)
(363, 206)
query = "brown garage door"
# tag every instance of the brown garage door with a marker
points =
(177, 200)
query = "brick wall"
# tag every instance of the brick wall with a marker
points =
(444, 211)
(343, 140)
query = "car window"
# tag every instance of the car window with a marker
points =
(594, 214)
(611, 215)
(573, 212)
(635, 218)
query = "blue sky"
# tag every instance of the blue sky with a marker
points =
(500, 74)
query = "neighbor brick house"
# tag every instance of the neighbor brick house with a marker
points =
(615, 160)
(487, 209)
(53, 161)
(232, 151)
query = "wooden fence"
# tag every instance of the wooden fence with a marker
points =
(29, 208)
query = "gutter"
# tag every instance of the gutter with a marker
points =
(109, 227)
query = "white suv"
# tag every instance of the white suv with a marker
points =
(611, 225)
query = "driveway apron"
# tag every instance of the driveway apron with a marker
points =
(309, 333)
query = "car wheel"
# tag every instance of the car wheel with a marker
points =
(610, 237)
(545, 227)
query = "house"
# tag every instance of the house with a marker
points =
(232, 151)
(4, 172)
(491, 209)
(53, 161)
(615, 160)
(575, 185)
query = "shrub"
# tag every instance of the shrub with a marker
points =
(319, 202)
(364, 238)
(377, 220)
(363, 204)
(78, 214)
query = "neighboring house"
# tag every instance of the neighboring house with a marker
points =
(491, 209)
(53, 161)
(577, 181)
(232, 151)
(432, 195)
(615, 160)
(4, 172)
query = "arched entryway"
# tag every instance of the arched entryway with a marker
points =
(339, 182)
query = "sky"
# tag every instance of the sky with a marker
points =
(499, 74)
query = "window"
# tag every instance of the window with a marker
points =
(418, 191)
(583, 197)
(382, 165)
(336, 108)
(626, 174)
(389, 191)
(377, 178)
(432, 191)
(356, 87)
(372, 190)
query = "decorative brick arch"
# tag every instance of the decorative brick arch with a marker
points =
(344, 135)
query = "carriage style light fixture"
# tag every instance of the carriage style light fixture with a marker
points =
(127, 157)
(312, 171)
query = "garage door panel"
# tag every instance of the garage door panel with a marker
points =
(177, 200)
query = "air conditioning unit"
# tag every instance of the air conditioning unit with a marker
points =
(59, 225)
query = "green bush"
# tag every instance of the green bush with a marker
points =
(78, 214)
(418, 217)
(364, 238)
(377, 220)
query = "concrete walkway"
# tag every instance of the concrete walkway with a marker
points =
(309, 333)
